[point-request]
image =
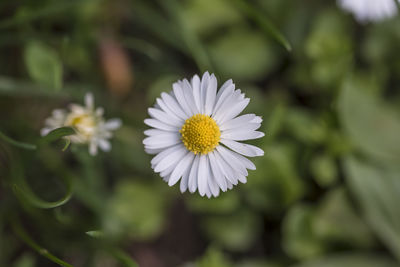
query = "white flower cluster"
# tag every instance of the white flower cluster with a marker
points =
(90, 126)
(370, 10)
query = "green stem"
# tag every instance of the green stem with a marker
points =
(23, 235)
(16, 143)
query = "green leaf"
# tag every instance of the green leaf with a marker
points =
(255, 60)
(351, 260)
(235, 232)
(44, 65)
(95, 234)
(213, 258)
(265, 24)
(17, 143)
(377, 191)
(372, 125)
(57, 134)
(299, 239)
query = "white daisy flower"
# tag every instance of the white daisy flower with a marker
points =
(195, 136)
(370, 10)
(90, 126)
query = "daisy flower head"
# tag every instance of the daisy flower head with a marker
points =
(370, 10)
(195, 133)
(88, 122)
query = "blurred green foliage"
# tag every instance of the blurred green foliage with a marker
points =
(325, 193)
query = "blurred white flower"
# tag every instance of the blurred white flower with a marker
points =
(90, 126)
(195, 133)
(370, 10)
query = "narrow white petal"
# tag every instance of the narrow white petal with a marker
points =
(228, 102)
(153, 151)
(171, 139)
(180, 169)
(188, 93)
(173, 105)
(167, 110)
(113, 124)
(165, 153)
(211, 94)
(89, 101)
(235, 110)
(178, 92)
(226, 169)
(249, 127)
(164, 117)
(236, 164)
(104, 145)
(154, 132)
(212, 184)
(203, 91)
(167, 172)
(93, 148)
(171, 159)
(248, 164)
(244, 149)
(242, 135)
(237, 122)
(160, 125)
(222, 96)
(193, 174)
(257, 119)
(196, 91)
(185, 179)
(202, 175)
(219, 176)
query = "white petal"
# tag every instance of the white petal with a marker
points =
(219, 176)
(160, 125)
(257, 119)
(203, 91)
(180, 169)
(185, 178)
(164, 117)
(244, 149)
(104, 145)
(193, 174)
(237, 122)
(212, 184)
(169, 160)
(241, 135)
(45, 131)
(196, 91)
(236, 164)
(154, 132)
(166, 174)
(167, 110)
(211, 93)
(226, 169)
(248, 164)
(228, 102)
(153, 151)
(89, 101)
(113, 124)
(235, 110)
(167, 138)
(165, 153)
(173, 105)
(178, 92)
(93, 148)
(188, 92)
(202, 175)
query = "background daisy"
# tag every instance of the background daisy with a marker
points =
(370, 10)
(90, 126)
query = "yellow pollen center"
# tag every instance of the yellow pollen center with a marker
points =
(200, 134)
(84, 124)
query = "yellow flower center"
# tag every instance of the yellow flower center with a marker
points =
(200, 134)
(84, 124)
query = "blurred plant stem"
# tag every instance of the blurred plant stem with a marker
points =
(190, 38)
(23, 235)
(265, 24)
(16, 143)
